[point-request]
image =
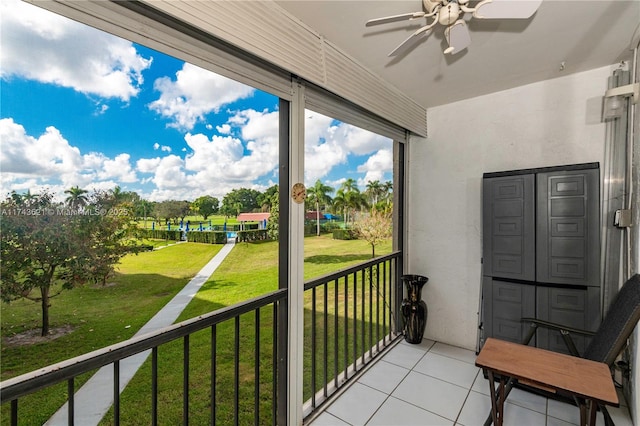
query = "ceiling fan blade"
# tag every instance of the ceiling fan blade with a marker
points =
(413, 38)
(506, 9)
(457, 36)
(395, 18)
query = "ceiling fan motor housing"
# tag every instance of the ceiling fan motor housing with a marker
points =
(449, 13)
(430, 5)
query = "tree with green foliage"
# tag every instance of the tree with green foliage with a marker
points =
(373, 192)
(379, 195)
(205, 206)
(171, 210)
(265, 199)
(240, 200)
(143, 208)
(119, 196)
(375, 228)
(273, 222)
(48, 247)
(318, 195)
(77, 196)
(348, 198)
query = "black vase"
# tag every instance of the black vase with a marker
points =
(414, 309)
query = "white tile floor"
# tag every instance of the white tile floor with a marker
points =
(437, 384)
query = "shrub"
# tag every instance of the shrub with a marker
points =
(207, 237)
(162, 234)
(253, 235)
(344, 234)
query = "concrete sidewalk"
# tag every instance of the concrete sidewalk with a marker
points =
(95, 397)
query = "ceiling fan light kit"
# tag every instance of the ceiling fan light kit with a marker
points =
(450, 14)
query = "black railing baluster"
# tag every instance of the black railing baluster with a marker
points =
(363, 282)
(336, 342)
(154, 386)
(313, 347)
(256, 391)
(214, 375)
(236, 370)
(385, 301)
(325, 337)
(71, 392)
(274, 368)
(377, 286)
(185, 381)
(355, 321)
(346, 325)
(14, 412)
(116, 393)
(370, 311)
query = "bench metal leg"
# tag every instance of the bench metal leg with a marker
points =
(498, 396)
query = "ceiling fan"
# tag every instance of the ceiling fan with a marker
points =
(450, 13)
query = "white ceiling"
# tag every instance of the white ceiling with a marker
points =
(503, 54)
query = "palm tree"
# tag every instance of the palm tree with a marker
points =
(340, 204)
(349, 185)
(387, 188)
(349, 198)
(76, 196)
(355, 201)
(318, 194)
(374, 191)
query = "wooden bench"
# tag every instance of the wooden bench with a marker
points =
(588, 381)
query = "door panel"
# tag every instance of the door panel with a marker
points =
(508, 230)
(567, 227)
(571, 307)
(505, 303)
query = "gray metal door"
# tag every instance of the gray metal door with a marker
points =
(508, 227)
(505, 303)
(571, 307)
(568, 224)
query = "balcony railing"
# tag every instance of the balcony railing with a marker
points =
(233, 359)
(350, 317)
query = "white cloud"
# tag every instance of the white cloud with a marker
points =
(226, 158)
(225, 129)
(46, 47)
(329, 143)
(194, 93)
(215, 165)
(148, 165)
(165, 148)
(376, 166)
(119, 168)
(49, 160)
(322, 150)
(170, 174)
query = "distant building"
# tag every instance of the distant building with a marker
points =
(312, 215)
(261, 218)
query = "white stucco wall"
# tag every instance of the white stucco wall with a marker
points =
(550, 123)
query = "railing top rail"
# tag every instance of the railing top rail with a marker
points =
(341, 273)
(24, 384)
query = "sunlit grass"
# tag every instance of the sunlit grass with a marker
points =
(98, 316)
(231, 284)
(143, 285)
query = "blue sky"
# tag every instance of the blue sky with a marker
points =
(81, 107)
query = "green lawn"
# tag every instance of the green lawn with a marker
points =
(100, 317)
